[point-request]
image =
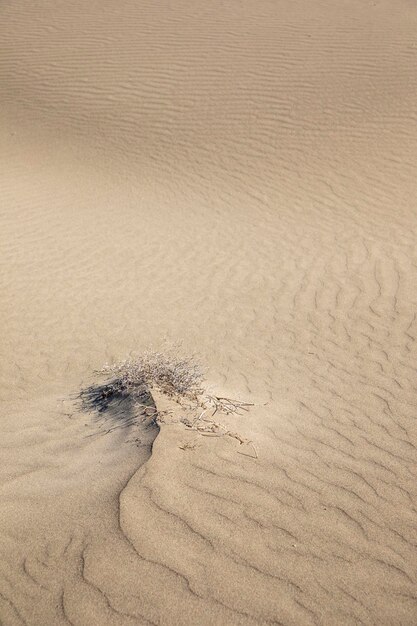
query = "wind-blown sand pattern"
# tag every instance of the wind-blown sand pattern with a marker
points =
(239, 176)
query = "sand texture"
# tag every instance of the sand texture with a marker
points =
(241, 177)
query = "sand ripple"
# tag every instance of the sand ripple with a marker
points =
(239, 176)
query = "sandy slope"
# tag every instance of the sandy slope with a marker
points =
(239, 176)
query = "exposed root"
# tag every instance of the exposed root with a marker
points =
(189, 445)
(226, 405)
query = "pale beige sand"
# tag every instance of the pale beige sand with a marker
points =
(240, 176)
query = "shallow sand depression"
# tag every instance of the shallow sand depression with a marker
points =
(239, 177)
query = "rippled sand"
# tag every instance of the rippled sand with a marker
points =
(241, 177)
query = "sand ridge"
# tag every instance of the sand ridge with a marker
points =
(239, 177)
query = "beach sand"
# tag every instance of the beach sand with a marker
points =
(239, 177)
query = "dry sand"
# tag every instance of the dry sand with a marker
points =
(240, 176)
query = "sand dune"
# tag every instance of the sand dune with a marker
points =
(239, 177)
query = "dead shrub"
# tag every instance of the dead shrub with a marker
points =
(171, 374)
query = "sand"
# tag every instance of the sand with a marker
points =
(240, 177)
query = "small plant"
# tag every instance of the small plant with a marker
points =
(179, 378)
(169, 373)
